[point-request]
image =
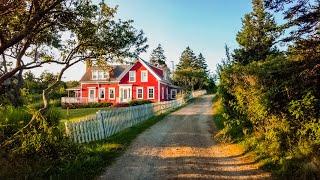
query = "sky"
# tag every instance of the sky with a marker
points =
(203, 25)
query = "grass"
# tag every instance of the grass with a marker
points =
(74, 161)
(97, 155)
(217, 112)
(75, 114)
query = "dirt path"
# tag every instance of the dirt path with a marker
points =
(181, 147)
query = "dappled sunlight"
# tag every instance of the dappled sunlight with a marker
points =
(219, 161)
(182, 147)
(223, 150)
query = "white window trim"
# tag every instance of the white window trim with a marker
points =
(94, 94)
(114, 93)
(134, 72)
(94, 72)
(138, 93)
(100, 93)
(97, 72)
(149, 94)
(173, 90)
(144, 71)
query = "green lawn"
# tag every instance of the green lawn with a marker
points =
(75, 114)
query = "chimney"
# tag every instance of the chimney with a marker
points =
(88, 64)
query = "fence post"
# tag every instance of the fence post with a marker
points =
(99, 118)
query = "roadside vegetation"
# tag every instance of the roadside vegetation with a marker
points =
(62, 32)
(270, 97)
(78, 160)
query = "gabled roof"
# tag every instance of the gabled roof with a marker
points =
(119, 71)
(116, 71)
(158, 75)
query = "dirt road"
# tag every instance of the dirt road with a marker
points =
(182, 147)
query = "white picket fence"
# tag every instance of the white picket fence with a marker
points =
(109, 122)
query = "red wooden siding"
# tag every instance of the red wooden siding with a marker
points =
(85, 91)
(138, 68)
(152, 82)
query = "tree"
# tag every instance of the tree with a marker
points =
(187, 59)
(26, 23)
(201, 63)
(302, 20)
(158, 58)
(93, 34)
(192, 71)
(257, 36)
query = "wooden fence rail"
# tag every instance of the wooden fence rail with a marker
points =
(108, 122)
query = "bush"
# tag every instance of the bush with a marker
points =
(89, 105)
(139, 102)
(36, 150)
(11, 119)
(274, 106)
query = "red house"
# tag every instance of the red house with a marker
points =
(124, 83)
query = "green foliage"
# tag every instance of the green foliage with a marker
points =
(157, 57)
(192, 72)
(139, 102)
(65, 159)
(271, 99)
(11, 119)
(257, 36)
(274, 106)
(89, 105)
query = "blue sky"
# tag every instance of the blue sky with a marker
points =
(204, 25)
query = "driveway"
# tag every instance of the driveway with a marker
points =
(181, 146)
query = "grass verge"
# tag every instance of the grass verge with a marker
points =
(73, 161)
(96, 156)
(217, 112)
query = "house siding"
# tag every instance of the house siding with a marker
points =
(138, 67)
(152, 82)
(96, 86)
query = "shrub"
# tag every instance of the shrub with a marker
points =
(274, 106)
(121, 105)
(139, 102)
(89, 105)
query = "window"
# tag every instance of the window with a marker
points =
(112, 93)
(132, 76)
(173, 93)
(144, 76)
(139, 92)
(106, 75)
(100, 75)
(94, 74)
(162, 92)
(102, 92)
(150, 92)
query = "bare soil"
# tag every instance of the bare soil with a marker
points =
(182, 147)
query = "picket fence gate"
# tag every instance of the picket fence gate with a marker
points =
(108, 122)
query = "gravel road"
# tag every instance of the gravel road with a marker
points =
(181, 146)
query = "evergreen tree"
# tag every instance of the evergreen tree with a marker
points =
(303, 19)
(257, 36)
(201, 63)
(187, 59)
(158, 58)
(192, 71)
